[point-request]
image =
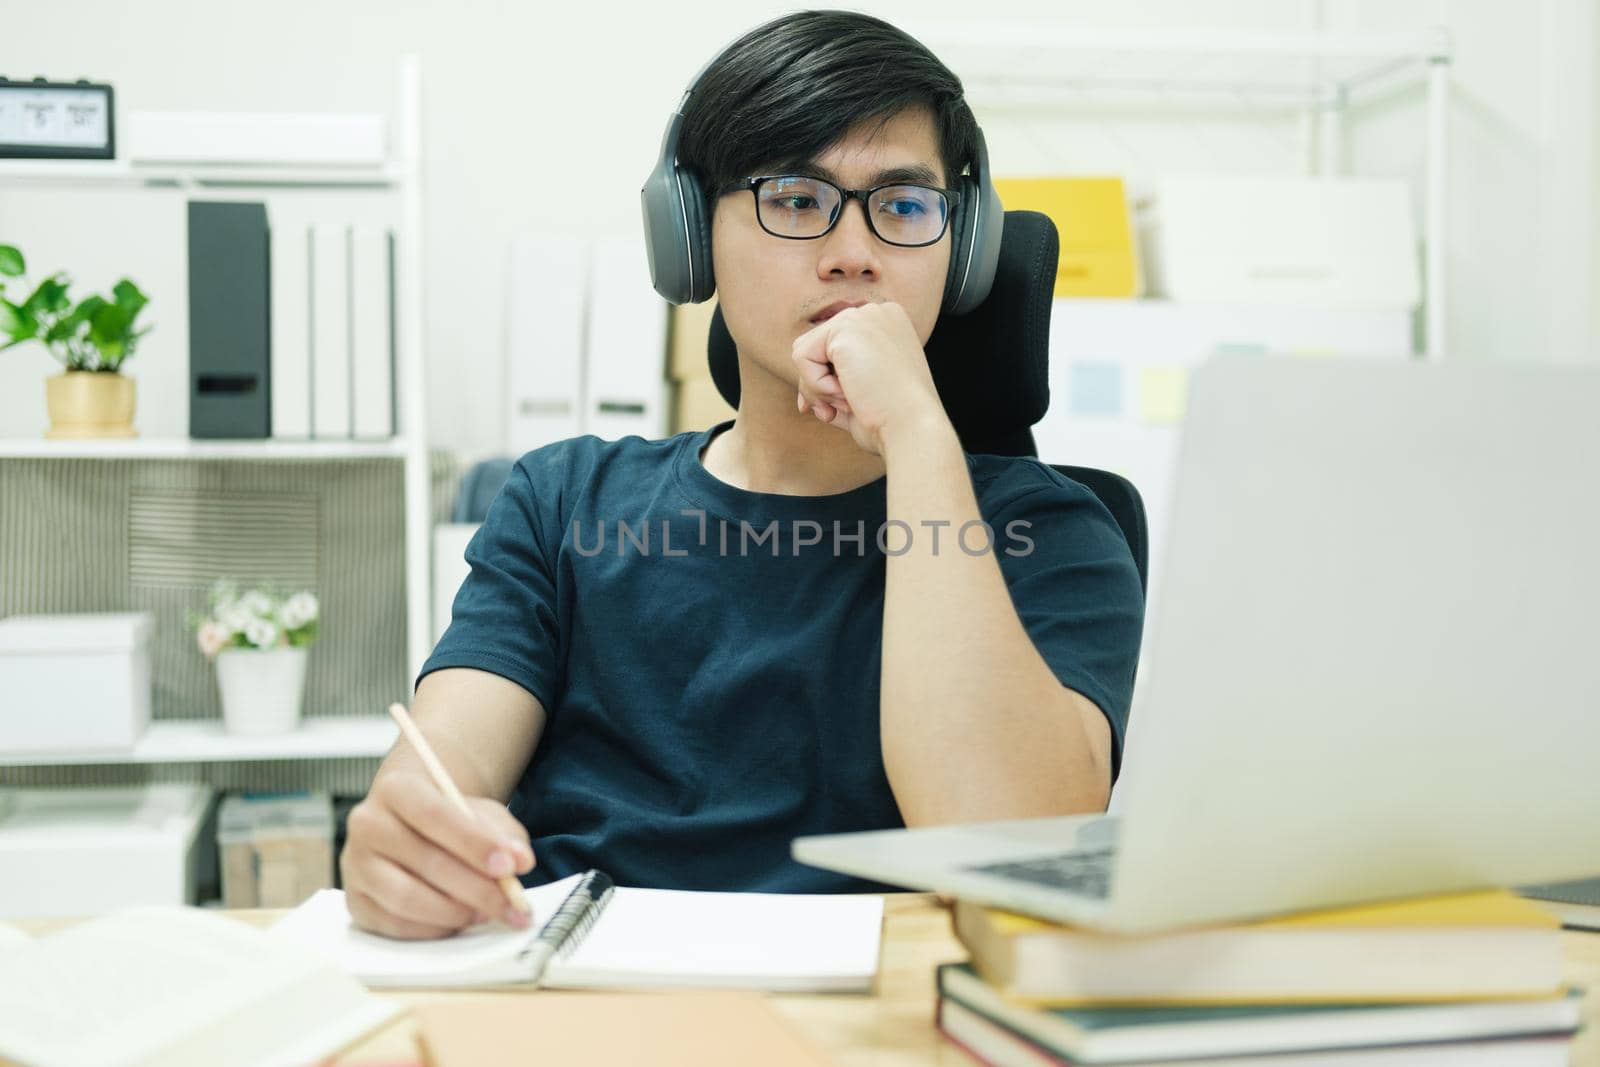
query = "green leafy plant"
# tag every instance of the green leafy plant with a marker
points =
(95, 335)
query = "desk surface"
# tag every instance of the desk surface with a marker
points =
(894, 1026)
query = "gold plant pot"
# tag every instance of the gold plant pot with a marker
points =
(85, 404)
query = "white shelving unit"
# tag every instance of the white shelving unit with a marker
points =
(124, 172)
(203, 741)
(179, 740)
(190, 448)
(1315, 75)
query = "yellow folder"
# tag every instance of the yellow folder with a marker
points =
(1098, 254)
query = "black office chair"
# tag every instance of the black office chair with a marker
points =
(991, 367)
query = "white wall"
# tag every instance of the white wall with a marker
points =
(548, 117)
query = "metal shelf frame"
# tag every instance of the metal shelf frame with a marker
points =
(1317, 75)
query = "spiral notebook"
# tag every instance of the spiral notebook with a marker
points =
(632, 939)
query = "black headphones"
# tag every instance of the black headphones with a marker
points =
(677, 228)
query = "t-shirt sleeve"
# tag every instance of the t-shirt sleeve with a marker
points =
(1076, 589)
(505, 618)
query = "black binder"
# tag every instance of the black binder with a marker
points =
(230, 342)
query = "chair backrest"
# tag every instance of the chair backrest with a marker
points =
(1126, 507)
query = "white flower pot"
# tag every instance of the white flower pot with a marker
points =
(261, 690)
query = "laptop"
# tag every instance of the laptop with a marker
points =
(1371, 671)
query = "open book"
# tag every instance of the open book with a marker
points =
(641, 938)
(178, 987)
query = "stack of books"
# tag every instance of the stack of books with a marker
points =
(1465, 979)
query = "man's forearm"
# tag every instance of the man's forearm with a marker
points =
(460, 765)
(975, 725)
(482, 727)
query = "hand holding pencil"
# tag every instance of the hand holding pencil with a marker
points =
(423, 861)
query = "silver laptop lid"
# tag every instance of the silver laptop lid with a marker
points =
(1374, 668)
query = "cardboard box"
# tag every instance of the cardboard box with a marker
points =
(696, 404)
(688, 330)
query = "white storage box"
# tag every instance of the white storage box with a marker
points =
(1316, 242)
(88, 850)
(249, 138)
(74, 683)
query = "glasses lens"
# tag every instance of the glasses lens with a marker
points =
(908, 214)
(797, 206)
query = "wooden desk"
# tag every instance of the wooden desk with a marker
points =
(894, 1027)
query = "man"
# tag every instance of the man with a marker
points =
(673, 657)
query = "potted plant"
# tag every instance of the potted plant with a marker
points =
(90, 339)
(258, 639)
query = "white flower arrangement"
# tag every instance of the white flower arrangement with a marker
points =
(256, 618)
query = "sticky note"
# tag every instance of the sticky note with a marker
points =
(1162, 392)
(1094, 388)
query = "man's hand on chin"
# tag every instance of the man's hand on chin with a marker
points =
(864, 371)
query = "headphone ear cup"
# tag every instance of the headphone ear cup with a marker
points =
(961, 217)
(697, 216)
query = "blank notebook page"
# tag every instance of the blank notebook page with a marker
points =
(773, 941)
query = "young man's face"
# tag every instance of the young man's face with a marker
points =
(771, 288)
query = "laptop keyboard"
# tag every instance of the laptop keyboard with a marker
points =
(1086, 873)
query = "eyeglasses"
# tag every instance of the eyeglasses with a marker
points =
(802, 208)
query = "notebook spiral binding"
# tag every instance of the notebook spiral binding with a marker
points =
(585, 924)
(574, 919)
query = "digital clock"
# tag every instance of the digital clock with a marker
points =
(42, 119)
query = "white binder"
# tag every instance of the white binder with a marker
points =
(372, 348)
(627, 342)
(291, 331)
(330, 330)
(546, 305)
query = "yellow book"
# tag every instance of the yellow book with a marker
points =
(1099, 257)
(1469, 946)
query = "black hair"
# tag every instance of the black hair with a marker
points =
(792, 87)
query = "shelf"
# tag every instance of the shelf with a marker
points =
(184, 448)
(203, 741)
(1020, 62)
(121, 172)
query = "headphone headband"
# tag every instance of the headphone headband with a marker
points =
(677, 223)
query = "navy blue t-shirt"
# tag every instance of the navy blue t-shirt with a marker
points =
(708, 657)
